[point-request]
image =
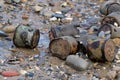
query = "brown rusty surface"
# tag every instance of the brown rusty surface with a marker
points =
(51, 35)
(60, 48)
(109, 19)
(35, 39)
(109, 50)
(94, 50)
(116, 41)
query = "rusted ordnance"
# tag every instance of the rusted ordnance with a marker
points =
(109, 7)
(26, 37)
(101, 50)
(63, 46)
(64, 30)
(113, 18)
(111, 30)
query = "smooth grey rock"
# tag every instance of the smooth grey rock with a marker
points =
(46, 12)
(77, 62)
(3, 34)
(101, 34)
(58, 15)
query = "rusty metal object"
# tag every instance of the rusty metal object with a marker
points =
(64, 30)
(83, 41)
(109, 7)
(114, 31)
(26, 37)
(63, 46)
(113, 18)
(101, 50)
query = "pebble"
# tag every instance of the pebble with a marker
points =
(30, 74)
(58, 15)
(46, 12)
(77, 62)
(22, 72)
(111, 75)
(9, 29)
(53, 19)
(9, 73)
(64, 4)
(37, 8)
(101, 34)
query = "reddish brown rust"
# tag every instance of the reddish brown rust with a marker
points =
(63, 46)
(112, 18)
(64, 30)
(101, 50)
(114, 31)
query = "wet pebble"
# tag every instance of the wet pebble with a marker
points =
(9, 73)
(9, 29)
(22, 72)
(77, 62)
(30, 74)
(57, 15)
(46, 12)
(37, 8)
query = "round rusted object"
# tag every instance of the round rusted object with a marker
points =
(63, 46)
(65, 30)
(114, 31)
(109, 7)
(112, 18)
(101, 50)
(25, 36)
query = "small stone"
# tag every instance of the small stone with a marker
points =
(58, 15)
(64, 4)
(9, 29)
(25, 16)
(77, 62)
(37, 8)
(46, 12)
(22, 72)
(111, 75)
(30, 74)
(9, 73)
(53, 19)
(101, 34)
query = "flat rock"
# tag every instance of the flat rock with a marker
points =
(77, 62)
